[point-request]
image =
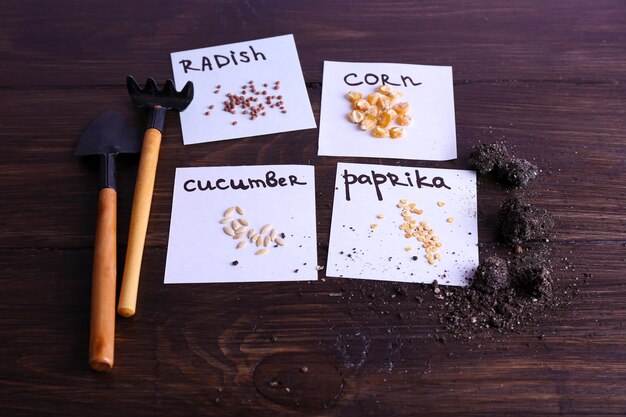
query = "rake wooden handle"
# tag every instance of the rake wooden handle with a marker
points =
(142, 200)
(102, 333)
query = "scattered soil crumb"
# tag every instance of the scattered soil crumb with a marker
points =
(517, 173)
(503, 297)
(520, 222)
(533, 280)
(491, 275)
(489, 156)
(510, 172)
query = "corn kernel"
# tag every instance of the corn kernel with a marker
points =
(356, 116)
(404, 120)
(374, 111)
(369, 122)
(385, 89)
(361, 104)
(395, 133)
(373, 98)
(380, 132)
(402, 108)
(384, 120)
(395, 95)
(384, 102)
(354, 96)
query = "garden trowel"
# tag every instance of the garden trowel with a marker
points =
(109, 134)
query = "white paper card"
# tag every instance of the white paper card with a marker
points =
(220, 70)
(366, 238)
(282, 196)
(431, 134)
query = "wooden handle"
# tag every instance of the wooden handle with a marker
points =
(142, 200)
(102, 334)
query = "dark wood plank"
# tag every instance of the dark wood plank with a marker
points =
(101, 42)
(191, 345)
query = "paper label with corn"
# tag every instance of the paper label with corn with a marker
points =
(387, 110)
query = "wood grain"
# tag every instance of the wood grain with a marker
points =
(103, 284)
(102, 42)
(231, 341)
(139, 216)
(545, 77)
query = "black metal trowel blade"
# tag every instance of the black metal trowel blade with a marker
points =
(107, 135)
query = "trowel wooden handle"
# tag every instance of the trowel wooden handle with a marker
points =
(102, 334)
(142, 200)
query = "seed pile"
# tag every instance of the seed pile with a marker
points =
(379, 111)
(420, 231)
(238, 227)
(251, 101)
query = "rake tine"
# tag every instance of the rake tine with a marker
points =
(187, 90)
(169, 90)
(151, 87)
(132, 86)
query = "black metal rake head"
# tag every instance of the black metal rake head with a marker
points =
(153, 97)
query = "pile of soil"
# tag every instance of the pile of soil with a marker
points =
(505, 296)
(511, 289)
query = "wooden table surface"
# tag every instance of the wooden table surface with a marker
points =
(546, 77)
